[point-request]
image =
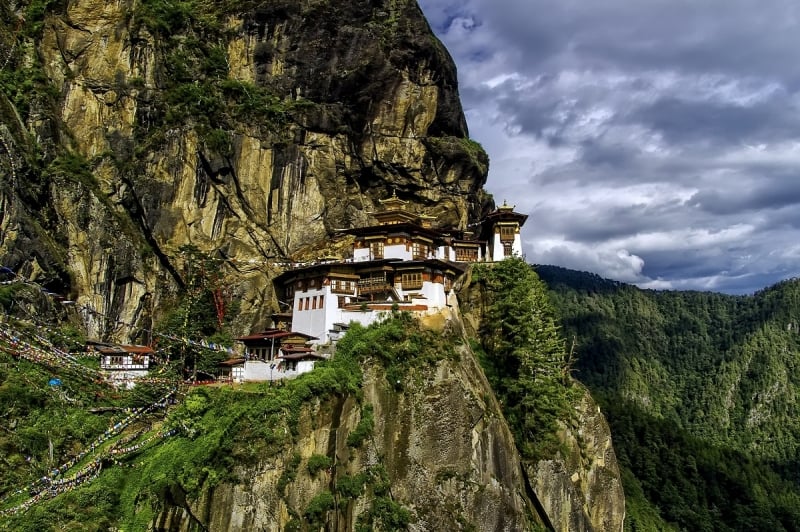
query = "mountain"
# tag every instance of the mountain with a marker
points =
(701, 392)
(247, 132)
(161, 162)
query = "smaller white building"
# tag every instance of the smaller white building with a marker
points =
(272, 354)
(122, 365)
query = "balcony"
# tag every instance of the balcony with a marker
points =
(373, 285)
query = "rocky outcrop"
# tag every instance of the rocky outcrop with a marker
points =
(439, 441)
(250, 132)
(582, 489)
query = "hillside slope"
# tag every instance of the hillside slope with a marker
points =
(701, 391)
(401, 430)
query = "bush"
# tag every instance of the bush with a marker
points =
(317, 462)
(318, 507)
(364, 428)
(351, 486)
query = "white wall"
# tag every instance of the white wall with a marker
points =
(497, 249)
(125, 378)
(257, 370)
(312, 321)
(434, 293)
(397, 251)
(361, 254)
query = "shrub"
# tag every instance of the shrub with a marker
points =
(317, 462)
(318, 507)
(364, 428)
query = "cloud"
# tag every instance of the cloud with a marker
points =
(651, 142)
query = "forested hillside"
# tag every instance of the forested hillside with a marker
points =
(701, 391)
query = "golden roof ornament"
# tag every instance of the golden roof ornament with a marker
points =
(393, 202)
(506, 207)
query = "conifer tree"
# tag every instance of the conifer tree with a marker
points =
(526, 354)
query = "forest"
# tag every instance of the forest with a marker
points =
(701, 392)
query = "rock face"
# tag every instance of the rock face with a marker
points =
(440, 441)
(249, 131)
(582, 490)
(579, 488)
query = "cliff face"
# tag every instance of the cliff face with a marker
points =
(578, 487)
(250, 130)
(439, 441)
(582, 489)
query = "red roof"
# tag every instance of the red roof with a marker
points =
(113, 349)
(274, 334)
(231, 362)
(296, 349)
(302, 356)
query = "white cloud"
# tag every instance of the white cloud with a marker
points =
(653, 142)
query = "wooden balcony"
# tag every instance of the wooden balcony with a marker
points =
(373, 285)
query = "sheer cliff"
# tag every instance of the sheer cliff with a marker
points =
(147, 143)
(247, 130)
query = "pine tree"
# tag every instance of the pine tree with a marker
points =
(526, 354)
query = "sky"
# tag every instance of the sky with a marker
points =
(654, 142)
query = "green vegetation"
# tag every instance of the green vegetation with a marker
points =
(458, 149)
(202, 312)
(364, 428)
(351, 486)
(700, 390)
(384, 512)
(317, 508)
(318, 462)
(194, 88)
(523, 355)
(400, 344)
(217, 429)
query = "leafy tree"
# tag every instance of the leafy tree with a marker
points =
(701, 393)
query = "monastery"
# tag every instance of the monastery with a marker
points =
(402, 263)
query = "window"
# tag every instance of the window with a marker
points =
(321, 301)
(314, 303)
(420, 251)
(376, 250)
(466, 254)
(300, 304)
(307, 302)
(339, 286)
(507, 249)
(411, 281)
(507, 232)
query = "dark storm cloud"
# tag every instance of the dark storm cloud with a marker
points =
(719, 123)
(587, 224)
(735, 36)
(765, 195)
(655, 142)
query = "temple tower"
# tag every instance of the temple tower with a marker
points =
(503, 227)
